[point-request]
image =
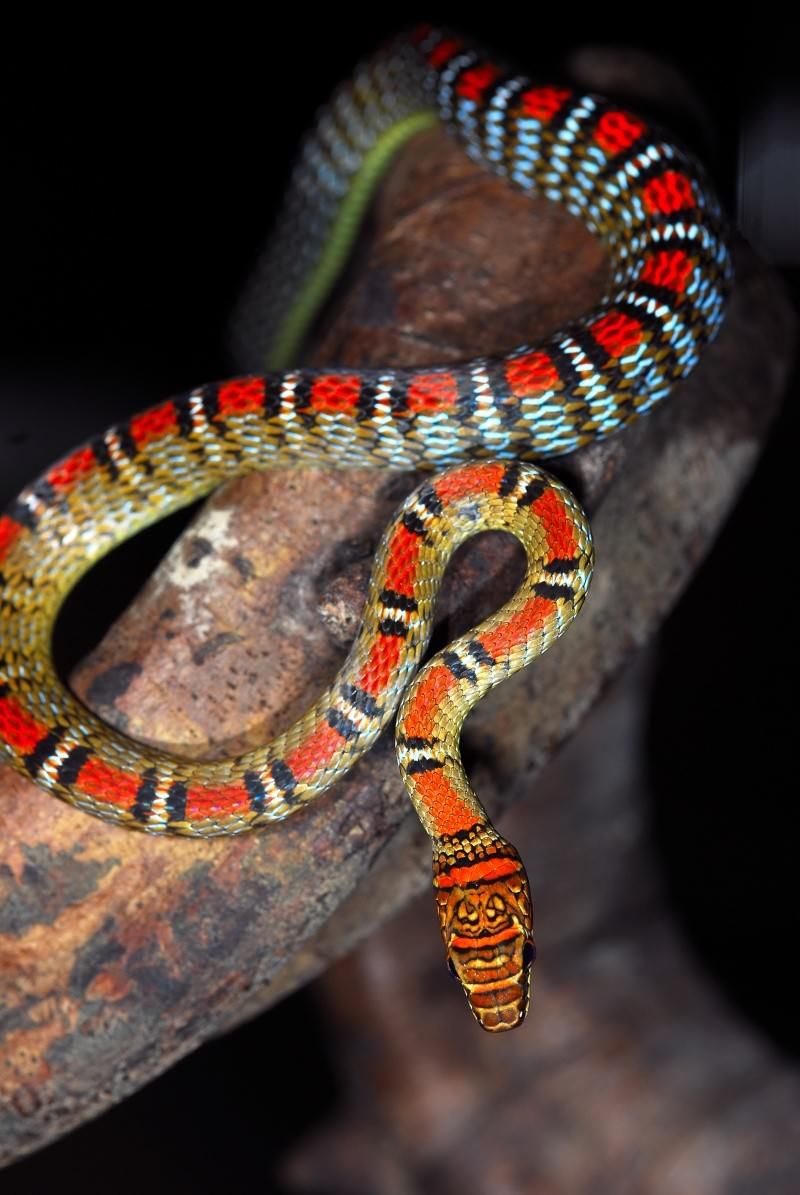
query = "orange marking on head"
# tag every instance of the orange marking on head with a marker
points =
(432, 391)
(204, 802)
(19, 728)
(240, 397)
(335, 392)
(69, 472)
(449, 811)
(153, 424)
(484, 942)
(381, 664)
(499, 992)
(430, 690)
(472, 479)
(106, 783)
(483, 869)
(315, 751)
(10, 529)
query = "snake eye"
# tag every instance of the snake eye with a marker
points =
(452, 968)
(528, 954)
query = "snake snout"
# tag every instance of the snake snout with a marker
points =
(496, 980)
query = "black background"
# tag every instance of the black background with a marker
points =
(141, 170)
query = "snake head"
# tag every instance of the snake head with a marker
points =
(485, 915)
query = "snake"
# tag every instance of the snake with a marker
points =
(479, 428)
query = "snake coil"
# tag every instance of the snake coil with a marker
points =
(481, 422)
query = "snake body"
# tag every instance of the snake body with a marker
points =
(483, 422)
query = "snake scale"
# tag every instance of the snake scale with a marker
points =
(478, 426)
